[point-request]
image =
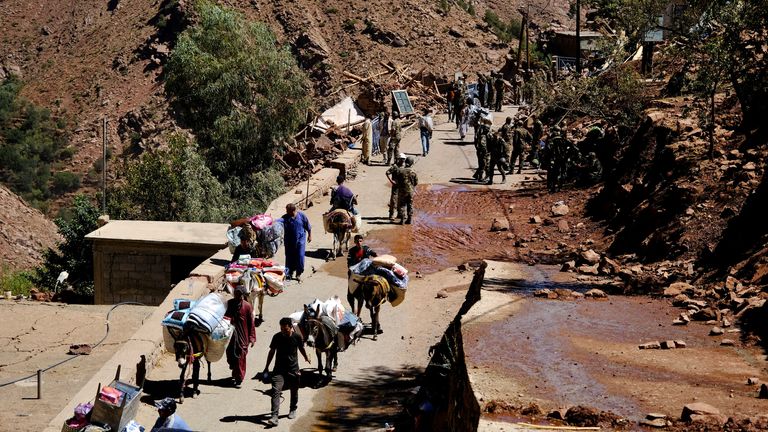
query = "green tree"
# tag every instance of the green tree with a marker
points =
(240, 92)
(74, 254)
(31, 140)
(170, 184)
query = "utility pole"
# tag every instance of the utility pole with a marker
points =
(104, 168)
(578, 37)
(527, 38)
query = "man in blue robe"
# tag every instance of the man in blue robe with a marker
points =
(297, 232)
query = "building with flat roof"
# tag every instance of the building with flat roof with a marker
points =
(142, 260)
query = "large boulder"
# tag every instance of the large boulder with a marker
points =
(700, 411)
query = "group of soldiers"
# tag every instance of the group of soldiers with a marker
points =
(502, 149)
(404, 180)
(521, 140)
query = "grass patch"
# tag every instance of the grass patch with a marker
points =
(15, 281)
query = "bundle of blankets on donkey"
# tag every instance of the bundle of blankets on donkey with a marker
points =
(263, 234)
(257, 277)
(329, 328)
(375, 281)
(195, 330)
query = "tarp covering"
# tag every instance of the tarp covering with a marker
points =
(341, 114)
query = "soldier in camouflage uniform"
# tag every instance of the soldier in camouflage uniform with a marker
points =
(557, 149)
(491, 97)
(497, 157)
(406, 190)
(499, 87)
(521, 139)
(481, 149)
(395, 134)
(507, 132)
(395, 178)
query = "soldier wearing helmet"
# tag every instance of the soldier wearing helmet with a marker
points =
(395, 179)
(405, 191)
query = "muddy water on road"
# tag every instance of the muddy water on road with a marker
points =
(450, 226)
(562, 353)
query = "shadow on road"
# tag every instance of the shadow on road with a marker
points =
(374, 398)
(458, 143)
(259, 419)
(156, 390)
(464, 180)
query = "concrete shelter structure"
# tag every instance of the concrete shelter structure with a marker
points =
(142, 260)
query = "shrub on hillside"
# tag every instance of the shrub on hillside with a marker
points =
(240, 92)
(175, 184)
(32, 140)
(64, 182)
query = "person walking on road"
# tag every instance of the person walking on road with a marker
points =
(465, 119)
(383, 134)
(394, 176)
(426, 125)
(297, 233)
(406, 190)
(240, 314)
(285, 346)
(498, 157)
(395, 135)
(520, 139)
(481, 151)
(498, 84)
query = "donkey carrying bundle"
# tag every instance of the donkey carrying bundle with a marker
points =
(195, 332)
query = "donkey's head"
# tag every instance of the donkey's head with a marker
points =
(183, 350)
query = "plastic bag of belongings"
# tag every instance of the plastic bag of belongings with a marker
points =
(261, 230)
(342, 324)
(480, 116)
(255, 275)
(205, 316)
(340, 219)
(385, 266)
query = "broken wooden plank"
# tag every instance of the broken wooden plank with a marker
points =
(353, 76)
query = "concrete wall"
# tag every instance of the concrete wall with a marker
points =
(124, 276)
(134, 271)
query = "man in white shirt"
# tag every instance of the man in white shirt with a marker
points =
(425, 128)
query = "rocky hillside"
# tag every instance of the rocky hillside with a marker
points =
(94, 60)
(90, 60)
(25, 233)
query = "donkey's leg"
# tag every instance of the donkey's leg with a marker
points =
(375, 321)
(319, 361)
(339, 240)
(329, 363)
(209, 370)
(261, 305)
(195, 376)
(182, 383)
